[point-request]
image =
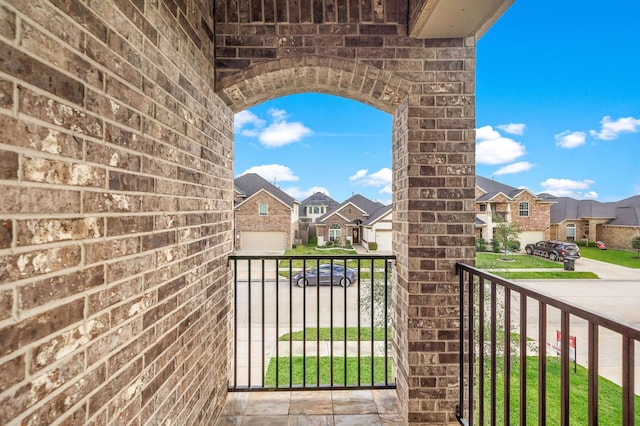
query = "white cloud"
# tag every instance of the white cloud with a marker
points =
(246, 118)
(568, 139)
(382, 179)
(569, 188)
(611, 129)
(513, 128)
(273, 173)
(300, 194)
(521, 166)
(359, 174)
(493, 148)
(280, 134)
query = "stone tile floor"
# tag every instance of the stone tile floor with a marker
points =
(312, 408)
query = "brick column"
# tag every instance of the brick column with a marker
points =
(434, 177)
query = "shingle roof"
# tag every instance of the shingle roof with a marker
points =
(492, 188)
(379, 213)
(319, 199)
(250, 183)
(363, 203)
(626, 216)
(623, 213)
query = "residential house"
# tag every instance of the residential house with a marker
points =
(497, 203)
(614, 223)
(316, 205)
(378, 229)
(265, 217)
(346, 220)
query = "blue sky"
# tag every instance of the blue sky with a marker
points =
(557, 111)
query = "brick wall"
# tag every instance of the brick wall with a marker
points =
(428, 86)
(618, 236)
(116, 194)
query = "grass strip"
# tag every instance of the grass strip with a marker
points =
(544, 275)
(338, 334)
(325, 371)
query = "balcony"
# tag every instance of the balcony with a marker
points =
(509, 329)
(277, 321)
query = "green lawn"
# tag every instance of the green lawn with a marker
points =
(609, 395)
(618, 257)
(338, 334)
(297, 363)
(301, 250)
(516, 261)
(326, 253)
(543, 275)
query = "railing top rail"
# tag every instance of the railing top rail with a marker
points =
(584, 313)
(311, 256)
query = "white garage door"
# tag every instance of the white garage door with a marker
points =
(262, 241)
(383, 238)
(530, 237)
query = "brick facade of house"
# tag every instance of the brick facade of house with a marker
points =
(116, 123)
(539, 213)
(278, 217)
(618, 236)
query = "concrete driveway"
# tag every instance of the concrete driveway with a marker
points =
(615, 295)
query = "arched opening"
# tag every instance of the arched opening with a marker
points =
(433, 180)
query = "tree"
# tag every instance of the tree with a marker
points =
(507, 233)
(635, 243)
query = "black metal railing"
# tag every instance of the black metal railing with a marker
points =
(290, 333)
(504, 338)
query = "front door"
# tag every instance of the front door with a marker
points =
(355, 236)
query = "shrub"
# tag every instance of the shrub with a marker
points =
(481, 245)
(495, 245)
(313, 241)
(635, 243)
(373, 246)
(513, 245)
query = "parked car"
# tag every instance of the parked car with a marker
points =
(326, 274)
(554, 250)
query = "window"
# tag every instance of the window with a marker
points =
(334, 232)
(524, 209)
(262, 208)
(483, 207)
(571, 232)
(316, 210)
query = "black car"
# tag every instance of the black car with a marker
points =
(554, 250)
(326, 274)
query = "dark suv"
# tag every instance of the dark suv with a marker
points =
(554, 250)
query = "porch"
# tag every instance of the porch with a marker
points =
(520, 329)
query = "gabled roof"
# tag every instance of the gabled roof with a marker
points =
(627, 216)
(251, 183)
(365, 205)
(377, 215)
(492, 189)
(319, 199)
(567, 208)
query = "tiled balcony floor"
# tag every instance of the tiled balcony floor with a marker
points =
(312, 408)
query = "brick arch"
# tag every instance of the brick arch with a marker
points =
(329, 75)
